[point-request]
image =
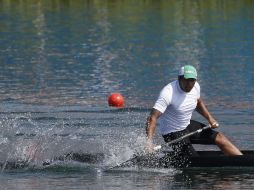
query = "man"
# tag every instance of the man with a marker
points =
(173, 111)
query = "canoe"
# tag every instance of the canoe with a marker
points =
(164, 159)
(218, 159)
(204, 159)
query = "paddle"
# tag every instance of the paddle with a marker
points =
(156, 148)
(181, 138)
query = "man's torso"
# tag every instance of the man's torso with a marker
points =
(176, 107)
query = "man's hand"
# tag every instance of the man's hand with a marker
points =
(213, 123)
(149, 147)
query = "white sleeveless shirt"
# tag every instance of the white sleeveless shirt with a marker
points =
(176, 107)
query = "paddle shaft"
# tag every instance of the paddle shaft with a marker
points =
(182, 137)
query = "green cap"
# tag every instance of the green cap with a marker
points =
(188, 71)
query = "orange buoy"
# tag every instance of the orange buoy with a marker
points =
(116, 100)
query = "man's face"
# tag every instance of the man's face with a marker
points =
(186, 84)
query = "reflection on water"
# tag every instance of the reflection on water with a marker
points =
(77, 177)
(79, 52)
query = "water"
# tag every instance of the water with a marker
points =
(60, 60)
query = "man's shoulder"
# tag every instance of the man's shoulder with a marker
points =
(168, 89)
(196, 89)
(197, 85)
(172, 84)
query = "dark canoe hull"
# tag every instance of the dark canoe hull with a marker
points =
(162, 160)
(218, 159)
(205, 159)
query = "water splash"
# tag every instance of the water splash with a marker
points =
(39, 137)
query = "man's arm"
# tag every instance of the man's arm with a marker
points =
(201, 108)
(151, 124)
